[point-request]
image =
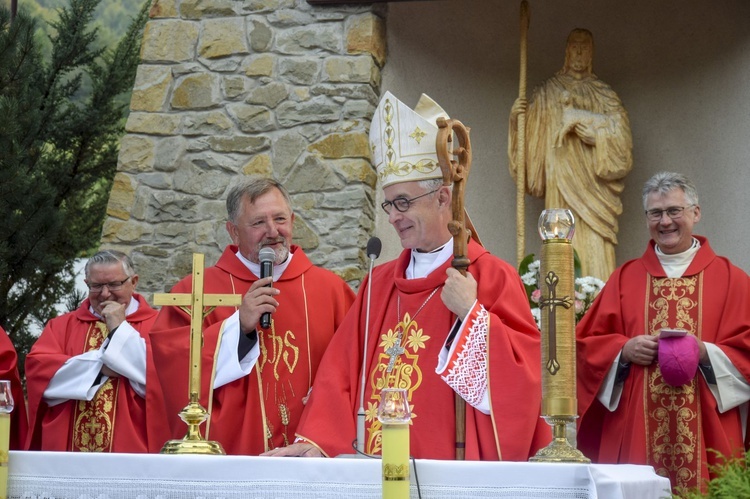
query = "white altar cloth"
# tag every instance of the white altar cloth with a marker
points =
(59, 475)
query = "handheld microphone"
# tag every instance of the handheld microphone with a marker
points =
(266, 256)
(373, 251)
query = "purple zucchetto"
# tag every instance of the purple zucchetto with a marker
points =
(678, 359)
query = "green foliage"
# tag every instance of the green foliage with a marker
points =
(112, 17)
(731, 481)
(58, 154)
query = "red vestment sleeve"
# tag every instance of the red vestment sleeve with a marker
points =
(9, 371)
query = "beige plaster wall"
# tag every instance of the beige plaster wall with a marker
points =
(682, 69)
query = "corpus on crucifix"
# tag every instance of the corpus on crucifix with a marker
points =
(194, 414)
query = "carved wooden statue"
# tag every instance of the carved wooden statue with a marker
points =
(578, 151)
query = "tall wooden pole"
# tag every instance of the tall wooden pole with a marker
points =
(521, 149)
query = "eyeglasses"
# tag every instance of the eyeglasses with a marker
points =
(402, 204)
(112, 286)
(673, 212)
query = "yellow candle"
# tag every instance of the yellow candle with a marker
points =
(4, 447)
(396, 461)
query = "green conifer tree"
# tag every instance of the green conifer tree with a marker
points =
(58, 154)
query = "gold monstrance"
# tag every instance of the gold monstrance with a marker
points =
(557, 280)
(194, 414)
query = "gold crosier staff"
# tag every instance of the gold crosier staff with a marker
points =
(521, 145)
(457, 173)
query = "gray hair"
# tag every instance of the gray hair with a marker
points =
(431, 184)
(251, 188)
(109, 257)
(663, 182)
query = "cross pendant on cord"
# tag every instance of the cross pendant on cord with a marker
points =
(551, 280)
(393, 352)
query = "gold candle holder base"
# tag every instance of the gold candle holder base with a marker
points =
(193, 443)
(559, 450)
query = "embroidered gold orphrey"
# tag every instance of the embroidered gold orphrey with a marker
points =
(673, 417)
(94, 420)
(406, 373)
(278, 352)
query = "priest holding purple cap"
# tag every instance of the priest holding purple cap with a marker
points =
(664, 352)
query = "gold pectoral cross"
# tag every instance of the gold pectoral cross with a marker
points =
(551, 280)
(194, 414)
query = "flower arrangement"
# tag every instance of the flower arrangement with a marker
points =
(586, 288)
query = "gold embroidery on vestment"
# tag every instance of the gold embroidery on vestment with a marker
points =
(673, 418)
(274, 349)
(94, 420)
(405, 374)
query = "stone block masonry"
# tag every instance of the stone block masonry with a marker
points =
(240, 87)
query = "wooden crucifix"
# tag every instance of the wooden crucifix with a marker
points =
(194, 414)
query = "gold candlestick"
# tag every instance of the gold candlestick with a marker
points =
(394, 413)
(6, 407)
(559, 402)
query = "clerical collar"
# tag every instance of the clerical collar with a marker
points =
(132, 307)
(422, 264)
(278, 268)
(676, 265)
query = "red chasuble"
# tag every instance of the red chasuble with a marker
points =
(409, 313)
(670, 428)
(115, 419)
(9, 370)
(260, 411)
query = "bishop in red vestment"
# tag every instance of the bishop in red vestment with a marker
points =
(255, 395)
(432, 331)
(9, 370)
(629, 413)
(86, 373)
(410, 313)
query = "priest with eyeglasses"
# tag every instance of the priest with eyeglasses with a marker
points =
(432, 331)
(86, 374)
(664, 352)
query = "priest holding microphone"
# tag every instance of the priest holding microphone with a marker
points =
(432, 331)
(259, 359)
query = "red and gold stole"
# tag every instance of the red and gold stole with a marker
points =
(672, 414)
(94, 420)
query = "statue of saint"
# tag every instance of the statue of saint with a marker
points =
(578, 151)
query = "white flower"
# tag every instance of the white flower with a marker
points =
(537, 313)
(529, 278)
(590, 285)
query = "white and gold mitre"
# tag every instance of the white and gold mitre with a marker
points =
(403, 140)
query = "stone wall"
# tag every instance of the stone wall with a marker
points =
(227, 88)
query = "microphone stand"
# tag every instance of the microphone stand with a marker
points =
(361, 412)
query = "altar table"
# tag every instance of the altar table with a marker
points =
(59, 475)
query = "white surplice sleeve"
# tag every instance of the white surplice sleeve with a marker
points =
(79, 377)
(228, 366)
